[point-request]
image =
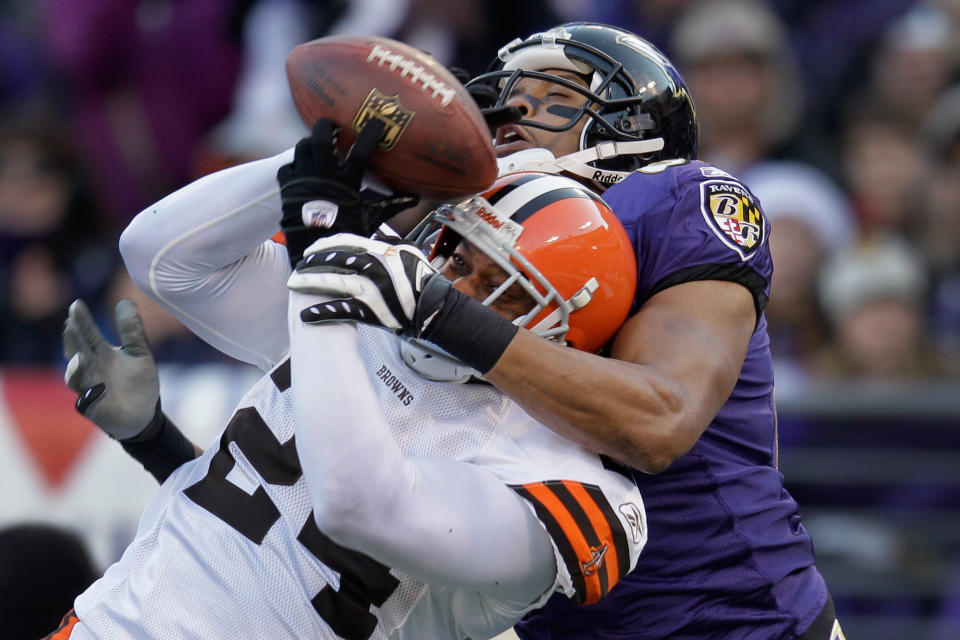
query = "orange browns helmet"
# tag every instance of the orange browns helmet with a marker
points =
(561, 242)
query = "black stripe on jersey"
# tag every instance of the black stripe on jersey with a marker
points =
(281, 376)
(583, 523)
(617, 467)
(277, 463)
(534, 205)
(371, 578)
(346, 618)
(560, 539)
(739, 273)
(363, 582)
(518, 182)
(616, 527)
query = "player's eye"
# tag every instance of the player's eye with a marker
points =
(459, 265)
(493, 285)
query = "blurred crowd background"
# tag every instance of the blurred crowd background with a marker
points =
(843, 116)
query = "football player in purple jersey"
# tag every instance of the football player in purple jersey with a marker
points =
(685, 397)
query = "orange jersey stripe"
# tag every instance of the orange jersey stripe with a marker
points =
(600, 526)
(574, 535)
(66, 627)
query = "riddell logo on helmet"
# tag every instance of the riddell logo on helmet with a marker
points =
(490, 218)
(606, 178)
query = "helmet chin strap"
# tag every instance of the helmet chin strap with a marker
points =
(433, 363)
(576, 163)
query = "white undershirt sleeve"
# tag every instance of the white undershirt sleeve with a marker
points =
(204, 253)
(449, 523)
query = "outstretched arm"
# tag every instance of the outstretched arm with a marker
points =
(427, 517)
(118, 389)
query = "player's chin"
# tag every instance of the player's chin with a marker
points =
(507, 148)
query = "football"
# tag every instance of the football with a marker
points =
(436, 142)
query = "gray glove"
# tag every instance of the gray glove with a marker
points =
(118, 387)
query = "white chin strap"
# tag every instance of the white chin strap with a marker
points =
(576, 163)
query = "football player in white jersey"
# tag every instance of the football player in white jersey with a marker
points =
(356, 493)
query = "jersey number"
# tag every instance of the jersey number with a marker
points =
(363, 580)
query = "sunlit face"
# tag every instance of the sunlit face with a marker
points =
(548, 103)
(475, 274)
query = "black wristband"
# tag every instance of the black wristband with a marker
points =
(299, 238)
(467, 330)
(161, 447)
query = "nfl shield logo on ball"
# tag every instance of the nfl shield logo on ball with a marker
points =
(388, 110)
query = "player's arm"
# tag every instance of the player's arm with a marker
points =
(673, 366)
(674, 363)
(367, 491)
(203, 251)
(427, 517)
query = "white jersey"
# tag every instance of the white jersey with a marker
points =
(231, 547)
(228, 547)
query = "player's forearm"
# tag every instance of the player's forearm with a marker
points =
(162, 447)
(350, 460)
(620, 409)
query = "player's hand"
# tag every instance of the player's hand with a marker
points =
(118, 387)
(394, 287)
(370, 281)
(321, 192)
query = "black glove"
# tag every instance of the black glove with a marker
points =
(394, 287)
(486, 97)
(321, 192)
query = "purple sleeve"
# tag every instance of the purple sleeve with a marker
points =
(694, 222)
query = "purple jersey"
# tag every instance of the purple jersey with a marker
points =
(727, 556)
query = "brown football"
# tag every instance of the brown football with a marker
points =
(436, 142)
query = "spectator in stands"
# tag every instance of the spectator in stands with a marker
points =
(831, 41)
(874, 297)
(53, 247)
(143, 82)
(737, 61)
(913, 64)
(885, 173)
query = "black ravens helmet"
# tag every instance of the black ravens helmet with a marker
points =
(639, 109)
